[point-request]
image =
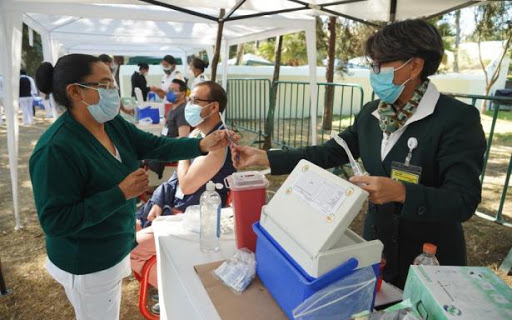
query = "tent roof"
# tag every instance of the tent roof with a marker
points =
(127, 29)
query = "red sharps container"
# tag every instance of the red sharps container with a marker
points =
(248, 192)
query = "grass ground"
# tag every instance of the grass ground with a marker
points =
(37, 296)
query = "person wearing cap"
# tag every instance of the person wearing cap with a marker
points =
(139, 80)
(197, 67)
(170, 73)
(423, 151)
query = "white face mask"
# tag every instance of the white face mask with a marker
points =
(193, 114)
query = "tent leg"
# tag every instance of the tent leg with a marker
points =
(3, 288)
(225, 58)
(311, 51)
(10, 39)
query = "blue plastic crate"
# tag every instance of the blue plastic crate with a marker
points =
(288, 283)
(149, 112)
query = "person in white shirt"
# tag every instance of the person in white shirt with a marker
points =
(28, 91)
(170, 73)
(197, 67)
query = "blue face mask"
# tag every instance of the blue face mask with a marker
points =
(193, 114)
(383, 85)
(108, 106)
(171, 96)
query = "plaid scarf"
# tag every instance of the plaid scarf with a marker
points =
(393, 117)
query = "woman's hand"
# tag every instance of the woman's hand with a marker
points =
(218, 140)
(382, 189)
(248, 156)
(155, 212)
(134, 184)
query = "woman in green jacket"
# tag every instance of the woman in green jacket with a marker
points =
(422, 149)
(86, 177)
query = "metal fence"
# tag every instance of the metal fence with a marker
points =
(292, 111)
(248, 105)
(496, 103)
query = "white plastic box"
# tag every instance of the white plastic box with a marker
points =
(309, 218)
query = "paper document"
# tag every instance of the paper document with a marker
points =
(321, 194)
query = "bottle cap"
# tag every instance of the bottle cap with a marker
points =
(429, 248)
(210, 186)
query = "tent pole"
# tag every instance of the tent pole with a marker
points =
(311, 51)
(10, 38)
(225, 58)
(216, 56)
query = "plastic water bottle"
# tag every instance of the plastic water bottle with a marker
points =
(210, 203)
(428, 257)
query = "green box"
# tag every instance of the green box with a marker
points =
(458, 293)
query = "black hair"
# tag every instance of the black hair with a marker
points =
(181, 83)
(105, 58)
(216, 93)
(170, 59)
(23, 72)
(143, 65)
(199, 63)
(69, 69)
(407, 39)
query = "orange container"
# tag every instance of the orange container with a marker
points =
(248, 192)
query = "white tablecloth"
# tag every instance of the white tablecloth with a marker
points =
(181, 293)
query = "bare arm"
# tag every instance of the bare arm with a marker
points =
(193, 176)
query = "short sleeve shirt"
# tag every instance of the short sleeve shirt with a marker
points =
(176, 119)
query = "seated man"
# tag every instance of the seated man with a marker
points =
(184, 188)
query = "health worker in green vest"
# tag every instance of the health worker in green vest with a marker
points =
(86, 178)
(423, 151)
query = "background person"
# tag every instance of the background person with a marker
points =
(85, 177)
(28, 91)
(170, 73)
(444, 189)
(197, 67)
(139, 80)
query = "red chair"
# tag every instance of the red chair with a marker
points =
(144, 288)
(143, 278)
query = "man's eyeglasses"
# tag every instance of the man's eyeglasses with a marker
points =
(96, 85)
(193, 100)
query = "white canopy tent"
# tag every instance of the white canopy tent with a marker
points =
(122, 29)
(128, 27)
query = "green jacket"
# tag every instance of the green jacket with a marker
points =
(451, 145)
(88, 223)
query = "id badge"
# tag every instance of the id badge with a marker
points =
(405, 173)
(165, 131)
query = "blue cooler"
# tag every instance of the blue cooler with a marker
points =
(149, 112)
(304, 243)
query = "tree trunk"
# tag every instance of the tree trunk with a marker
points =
(457, 42)
(269, 122)
(329, 76)
(496, 74)
(239, 54)
(216, 56)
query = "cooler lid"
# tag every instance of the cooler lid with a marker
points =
(246, 180)
(312, 210)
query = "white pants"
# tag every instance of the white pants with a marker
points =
(26, 108)
(94, 296)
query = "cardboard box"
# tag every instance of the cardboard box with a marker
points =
(458, 293)
(255, 303)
